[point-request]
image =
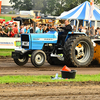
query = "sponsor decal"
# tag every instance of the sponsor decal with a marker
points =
(17, 43)
(7, 43)
(45, 39)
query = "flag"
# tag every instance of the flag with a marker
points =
(91, 9)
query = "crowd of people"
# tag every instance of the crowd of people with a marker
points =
(12, 30)
(90, 31)
(8, 30)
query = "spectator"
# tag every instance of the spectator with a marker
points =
(83, 29)
(44, 29)
(43, 26)
(37, 27)
(88, 31)
(15, 31)
(74, 28)
(47, 28)
(92, 31)
(24, 26)
(8, 25)
(27, 30)
(80, 28)
(40, 30)
(19, 30)
(52, 27)
(22, 29)
(3, 25)
(13, 25)
(1, 31)
(11, 31)
(96, 31)
(12, 34)
(5, 31)
(31, 28)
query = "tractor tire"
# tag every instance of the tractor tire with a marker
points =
(54, 61)
(21, 61)
(38, 58)
(78, 51)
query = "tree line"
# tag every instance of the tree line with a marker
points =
(52, 7)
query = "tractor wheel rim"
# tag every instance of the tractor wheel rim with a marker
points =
(22, 60)
(82, 51)
(61, 57)
(39, 58)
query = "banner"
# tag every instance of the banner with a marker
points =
(91, 9)
(9, 43)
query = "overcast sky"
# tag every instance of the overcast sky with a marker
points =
(5, 2)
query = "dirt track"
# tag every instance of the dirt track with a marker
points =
(44, 91)
(8, 67)
(51, 91)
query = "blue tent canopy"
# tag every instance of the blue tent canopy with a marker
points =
(81, 12)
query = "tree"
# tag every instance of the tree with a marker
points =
(60, 6)
(38, 4)
(51, 5)
(11, 12)
(22, 4)
(44, 8)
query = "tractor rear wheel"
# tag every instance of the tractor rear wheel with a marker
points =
(78, 51)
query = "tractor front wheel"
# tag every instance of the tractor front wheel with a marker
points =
(21, 61)
(38, 58)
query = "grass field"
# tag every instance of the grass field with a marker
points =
(6, 52)
(46, 78)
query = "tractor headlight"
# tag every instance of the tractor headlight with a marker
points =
(24, 43)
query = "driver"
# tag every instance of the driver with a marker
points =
(66, 29)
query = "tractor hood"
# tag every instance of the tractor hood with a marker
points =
(36, 41)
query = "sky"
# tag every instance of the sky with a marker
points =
(5, 2)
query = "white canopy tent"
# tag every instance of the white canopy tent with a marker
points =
(82, 12)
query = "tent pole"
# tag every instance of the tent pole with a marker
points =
(77, 25)
(89, 27)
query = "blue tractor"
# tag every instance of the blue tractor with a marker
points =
(77, 50)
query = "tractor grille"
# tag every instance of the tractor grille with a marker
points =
(25, 41)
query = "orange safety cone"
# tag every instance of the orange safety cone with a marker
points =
(65, 68)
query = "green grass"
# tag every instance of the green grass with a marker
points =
(46, 78)
(6, 52)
